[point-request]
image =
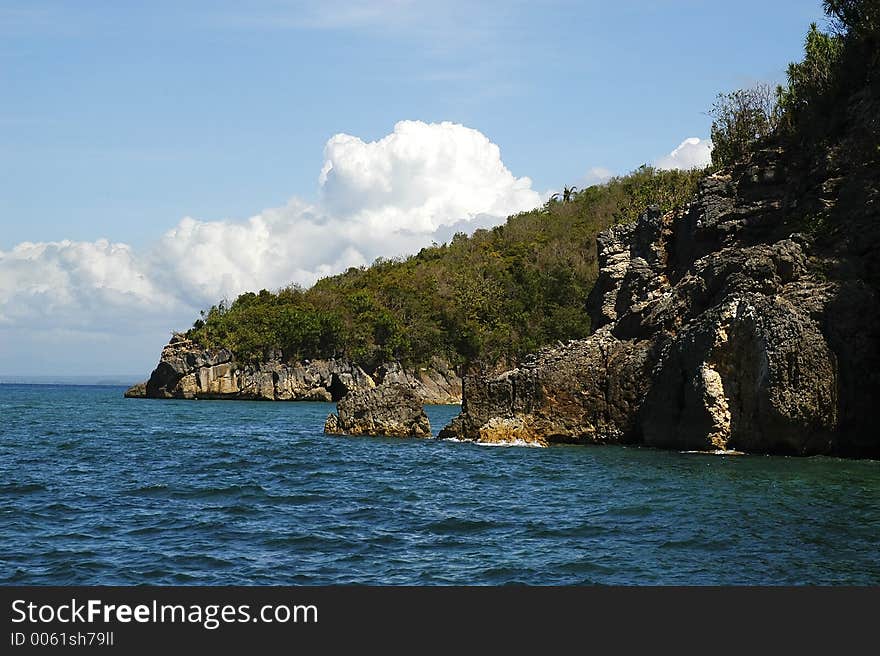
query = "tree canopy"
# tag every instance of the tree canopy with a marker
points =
(816, 103)
(493, 296)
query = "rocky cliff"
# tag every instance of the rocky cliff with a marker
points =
(745, 321)
(389, 409)
(188, 371)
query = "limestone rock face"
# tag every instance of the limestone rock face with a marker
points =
(436, 384)
(716, 327)
(560, 395)
(391, 409)
(138, 391)
(753, 374)
(186, 370)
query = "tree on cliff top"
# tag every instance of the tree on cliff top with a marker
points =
(741, 119)
(810, 108)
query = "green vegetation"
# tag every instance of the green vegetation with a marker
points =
(493, 296)
(819, 102)
(827, 116)
(811, 81)
(741, 119)
(502, 293)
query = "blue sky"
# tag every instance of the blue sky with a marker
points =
(118, 119)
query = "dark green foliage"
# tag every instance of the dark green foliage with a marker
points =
(740, 120)
(494, 296)
(832, 90)
(837, 86)
(811, 89)
(858, 18)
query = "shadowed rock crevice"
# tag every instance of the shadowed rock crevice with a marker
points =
(337, 388)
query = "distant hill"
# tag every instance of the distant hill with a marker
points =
(114, 380)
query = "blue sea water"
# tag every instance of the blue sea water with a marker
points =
(97, 489)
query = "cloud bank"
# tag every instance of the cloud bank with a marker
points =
(388, 197)
(74, 306)
(690, 153)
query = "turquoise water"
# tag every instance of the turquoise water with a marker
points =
(97, 489)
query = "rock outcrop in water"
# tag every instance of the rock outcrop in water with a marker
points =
(138, 391)
(716, 327)
(186, 370)
(392, 409)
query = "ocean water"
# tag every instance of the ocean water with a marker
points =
(97, 489)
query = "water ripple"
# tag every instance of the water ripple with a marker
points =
(97, 489)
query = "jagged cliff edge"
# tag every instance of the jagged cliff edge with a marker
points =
(187, 370)
(717, 328)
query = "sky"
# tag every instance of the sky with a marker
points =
(158, 157)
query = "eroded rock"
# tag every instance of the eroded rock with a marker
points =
(584, 392)
(187, 370)
(716, 330)
(391, 409)
(138, 391)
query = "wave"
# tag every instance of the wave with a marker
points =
(22, 488)
(717, 452)
(460, 525)
(533, 445)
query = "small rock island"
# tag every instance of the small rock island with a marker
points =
(391, 410)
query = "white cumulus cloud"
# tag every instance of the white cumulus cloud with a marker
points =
(689, 154)
(420, 177)
(383, 198)
(387, 197)
(74, 284)
(597, 175)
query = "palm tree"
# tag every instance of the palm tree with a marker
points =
(568, 194)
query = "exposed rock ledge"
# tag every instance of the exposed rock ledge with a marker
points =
(186, 370)
(391, 409)
(714, 332)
